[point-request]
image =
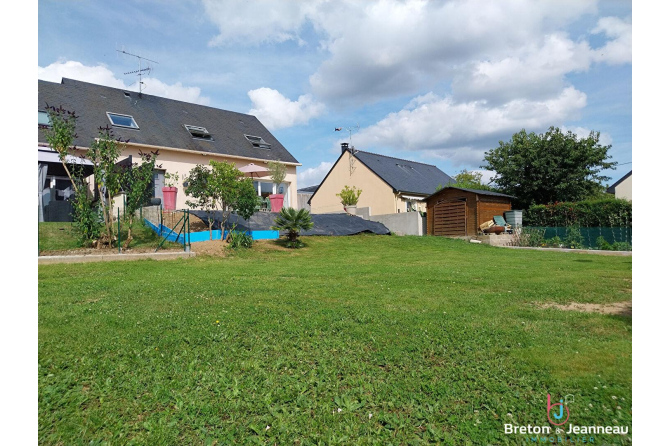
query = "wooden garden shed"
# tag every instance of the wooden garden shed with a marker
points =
(454, 211)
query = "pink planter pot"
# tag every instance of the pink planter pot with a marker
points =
(169, 198)
(276, 202)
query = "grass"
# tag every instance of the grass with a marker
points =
(351, 340)
(56, 236)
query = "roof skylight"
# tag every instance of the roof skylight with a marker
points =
(119, 120)
(257, 141)
(198, 132)
(43, 118)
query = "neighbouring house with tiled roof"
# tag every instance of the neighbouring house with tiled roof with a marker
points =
(184, 134)
(390, 185)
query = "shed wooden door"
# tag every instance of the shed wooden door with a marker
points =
(449, 218)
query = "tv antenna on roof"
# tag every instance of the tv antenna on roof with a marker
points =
(140, 70)
(351, 130)
(352, 150)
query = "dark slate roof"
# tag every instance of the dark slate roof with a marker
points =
(610, 190)
(308, 190)
(161, 121)
(476, 191)
(403, 175)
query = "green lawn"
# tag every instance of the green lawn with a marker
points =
(55, 236)
(352, 340)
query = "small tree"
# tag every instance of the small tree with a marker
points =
(200, 186)
(232, 191)
(60, 135)
(293, 221)
(136, 181)
(277, 172)
(349, 196)
(104, 153)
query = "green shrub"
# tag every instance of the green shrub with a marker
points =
(602, 244)
(621, 246)
(616, 246)
(293, 221)
(349, 196)
(531, 237)
(240, 239)
(87, 218)
(573, 239)
(554, 242)
(609, 212)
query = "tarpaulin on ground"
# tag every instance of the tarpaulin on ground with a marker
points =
(324, 224)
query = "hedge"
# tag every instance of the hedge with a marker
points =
(609, 212)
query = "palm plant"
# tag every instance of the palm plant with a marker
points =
(293, 221)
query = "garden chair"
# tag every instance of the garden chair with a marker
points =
(499, 220)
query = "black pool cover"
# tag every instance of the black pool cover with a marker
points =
(324, 224)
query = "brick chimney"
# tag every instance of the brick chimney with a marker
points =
(345, 147)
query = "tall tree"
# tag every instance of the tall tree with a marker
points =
(549, 167)
(470, 180)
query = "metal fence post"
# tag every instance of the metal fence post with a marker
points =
(118, 225)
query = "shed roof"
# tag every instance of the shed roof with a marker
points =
(161, 121)
(474, 191)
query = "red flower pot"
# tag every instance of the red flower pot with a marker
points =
(169, 198)
(276, 202)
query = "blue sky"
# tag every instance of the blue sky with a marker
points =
(436, 82)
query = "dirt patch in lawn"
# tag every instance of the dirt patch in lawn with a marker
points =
(105, 251)
(215, 248)
(618, 308)
(218, 248)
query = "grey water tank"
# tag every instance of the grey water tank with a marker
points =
(513, 218)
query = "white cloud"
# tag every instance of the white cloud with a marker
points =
(382, 49)
(71, 69)
(101, 75)
(392, 48)
(255, 22)
(462, 132)
(313, 175)
(276, 111)
(582, 132)
(620, 48)
(536, 71)
(175, 91)
(487, 175)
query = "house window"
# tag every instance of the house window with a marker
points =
(43, 118)
(198, 132)
(126, 121)
(411, 206)
(257, 141)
